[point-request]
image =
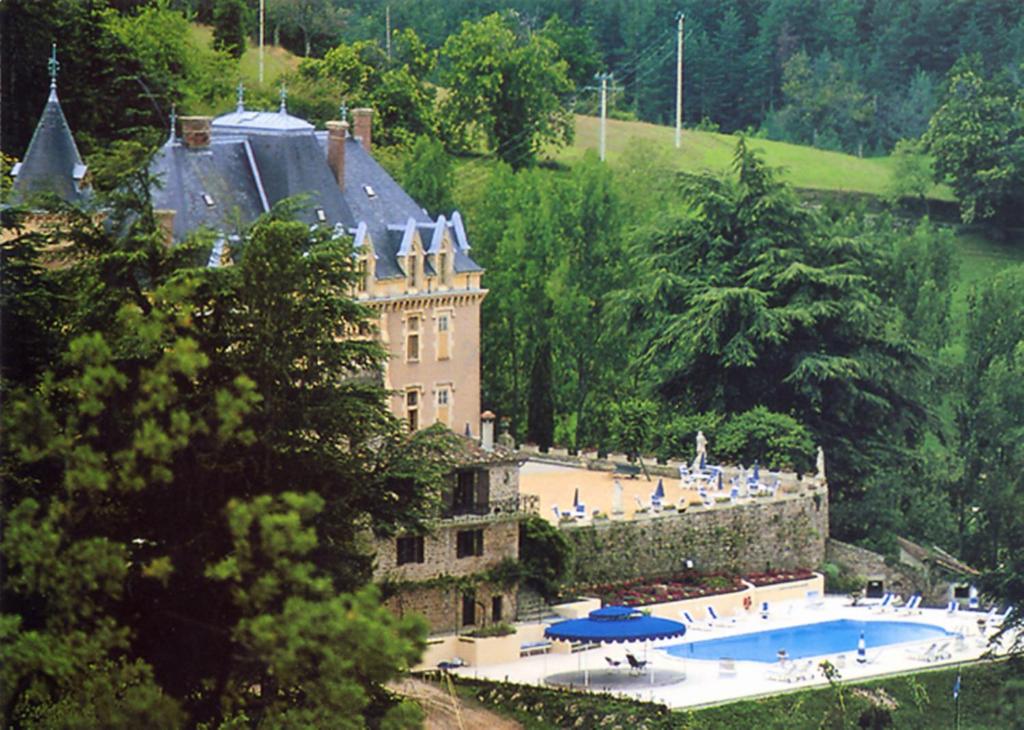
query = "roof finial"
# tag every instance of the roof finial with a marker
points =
(174, 123)
(53, 65)
(284, 99)
(241, 97)
(343, 111)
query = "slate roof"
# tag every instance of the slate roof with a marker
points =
(255, 159)
(52, 163)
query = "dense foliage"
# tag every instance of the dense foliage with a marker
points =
(193, 459)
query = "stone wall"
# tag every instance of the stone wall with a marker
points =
(501, 540)
(785, 532)
(866, 564)
(442, 606)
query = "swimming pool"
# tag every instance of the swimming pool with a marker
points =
(799, 642)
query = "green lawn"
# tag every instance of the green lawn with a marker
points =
(276, 60)
(804, 167)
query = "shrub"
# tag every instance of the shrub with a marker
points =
(499, 629)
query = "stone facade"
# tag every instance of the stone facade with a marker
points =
(443, 574)
(787, 532)
(440, 557)
(443, 606)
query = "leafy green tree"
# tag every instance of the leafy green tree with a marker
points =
(427, 175)
(544, 554)
(977, 139)
(306, 26)
(361, 74)
(577, 47)
(507, 86)
(912, 175)
(181, 69)
(747, 299)
(633, 420)
(776, 440)
(203, 461)
(229, 27)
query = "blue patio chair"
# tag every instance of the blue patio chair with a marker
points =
(764, 609)
(913, 604)
(580, 511)
(952, 607)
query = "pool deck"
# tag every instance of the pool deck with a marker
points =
(700, 682)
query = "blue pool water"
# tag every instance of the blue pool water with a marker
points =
(799, 642)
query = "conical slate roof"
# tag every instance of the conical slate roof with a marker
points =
(52, 163)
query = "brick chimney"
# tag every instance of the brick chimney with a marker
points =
(336, 134)
(487, 431)
(363, 127)
(195, 131)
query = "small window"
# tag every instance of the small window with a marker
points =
(411, 263)
(410, 549)
(443, 338)
(442, 397)
(321, 215)
(208, 200)
(412, 409)
(469, 543)
(442, 267)
(412, 339)
(370, 192)
(496, 606)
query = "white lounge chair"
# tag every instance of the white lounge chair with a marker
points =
(930, 654)
(885, 604)
(717, 620)
(952, 607)
(764, 609)
(692, 623)
(913, 605)
(726, 667)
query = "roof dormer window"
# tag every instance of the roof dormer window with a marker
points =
(208, 200)
(370, 192)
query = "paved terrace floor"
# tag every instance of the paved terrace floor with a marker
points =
(697, 682)
(556, 484)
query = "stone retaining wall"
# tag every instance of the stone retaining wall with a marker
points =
(783, 533)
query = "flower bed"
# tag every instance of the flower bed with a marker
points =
(778, 576)
(642, 592)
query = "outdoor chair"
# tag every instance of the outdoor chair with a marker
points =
(928, 655)
(580, 511)
(635, 665)
(886, 602)
(726, 667)
(614, 663)
(717, 620)
(785, 671)
(692, 623)
(998, 619)
(913, 605)
(952, 607)
(764, 609)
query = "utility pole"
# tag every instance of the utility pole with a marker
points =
(262, 13)
(387, 27)
(603, 78)
(679, 82)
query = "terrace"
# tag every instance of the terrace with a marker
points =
(680, 682)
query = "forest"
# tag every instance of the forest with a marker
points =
(630, 305)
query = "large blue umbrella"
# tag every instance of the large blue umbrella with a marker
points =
(615, 624)
(757, 472)
(659, 491)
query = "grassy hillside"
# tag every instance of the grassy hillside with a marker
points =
(276, 60)
(804, 167)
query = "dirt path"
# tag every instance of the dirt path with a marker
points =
(440, 709)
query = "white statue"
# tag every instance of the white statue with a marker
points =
(821, 464)
(617, 498)
(702, 452)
